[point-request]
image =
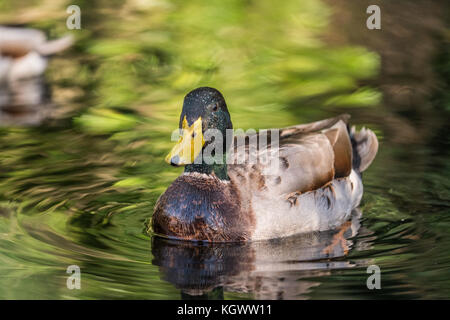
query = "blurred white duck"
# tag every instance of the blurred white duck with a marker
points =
(24, 52)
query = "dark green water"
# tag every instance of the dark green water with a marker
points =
(77, 187)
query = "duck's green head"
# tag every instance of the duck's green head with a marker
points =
(203, 109)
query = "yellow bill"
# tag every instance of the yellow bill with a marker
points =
(189, 146)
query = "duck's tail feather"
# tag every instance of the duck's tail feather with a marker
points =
(365, 148)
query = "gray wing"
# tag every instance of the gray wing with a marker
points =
(309, 156)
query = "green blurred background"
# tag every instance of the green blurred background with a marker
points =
(78, 186)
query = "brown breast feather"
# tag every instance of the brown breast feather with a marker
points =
(196, 207)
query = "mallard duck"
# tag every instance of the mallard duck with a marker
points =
(314, 185)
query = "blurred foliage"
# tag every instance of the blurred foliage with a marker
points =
(263, 58)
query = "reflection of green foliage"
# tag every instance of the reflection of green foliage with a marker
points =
(105, 120)
(261, 57)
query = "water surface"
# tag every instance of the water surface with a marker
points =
(80, 174)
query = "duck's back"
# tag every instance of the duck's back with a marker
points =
(311, 182)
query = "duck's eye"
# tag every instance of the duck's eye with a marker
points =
(193, 134)
(215, 107)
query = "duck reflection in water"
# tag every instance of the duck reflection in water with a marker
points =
(266, 269)
(24, 94)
